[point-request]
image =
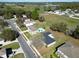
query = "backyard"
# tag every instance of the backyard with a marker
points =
(52, 18)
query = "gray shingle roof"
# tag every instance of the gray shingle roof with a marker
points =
(70, 50)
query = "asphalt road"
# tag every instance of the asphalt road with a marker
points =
(27, 50)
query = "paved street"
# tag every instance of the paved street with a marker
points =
(27, 50)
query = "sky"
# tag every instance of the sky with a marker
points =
(38, 0)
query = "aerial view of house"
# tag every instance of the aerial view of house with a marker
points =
(39, 29)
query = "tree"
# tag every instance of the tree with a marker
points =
(35, 14)
(47, 8)
(60, 27)
(28, 13)
(76, 32)
(2, 12)
(51, 56)
(7, 12)
(9, 35)
(41, 19)
(3, 24)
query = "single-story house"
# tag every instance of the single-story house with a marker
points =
(14, 16)
(1, 17)
(45, 39)
(68, 50)
(30, 25)
(28, 22)
(57, 12)
(48, 39)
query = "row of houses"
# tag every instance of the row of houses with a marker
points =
(67, 12)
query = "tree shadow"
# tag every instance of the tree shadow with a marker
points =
(8, 51)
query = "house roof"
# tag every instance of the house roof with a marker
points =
(1, 17)
(2, 52)
(47, 39)
(70, 50)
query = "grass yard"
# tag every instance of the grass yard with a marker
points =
(12, 45)
(20, 55)
(52, 18)
(28, 35)
(23, 28)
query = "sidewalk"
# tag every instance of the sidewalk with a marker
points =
(8, 42)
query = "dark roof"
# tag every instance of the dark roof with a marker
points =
(47, 39)
(70, 50)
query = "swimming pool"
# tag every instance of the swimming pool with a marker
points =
(40, 30)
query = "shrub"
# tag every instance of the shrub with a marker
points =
(60, 27)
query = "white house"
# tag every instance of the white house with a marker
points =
(29, 23)
(57, 11)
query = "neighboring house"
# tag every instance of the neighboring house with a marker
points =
(1, 42)
(1, 17)
(30, 25)
(3, 53)
(46, 39)
(14, 16)
(69, 12)
(24, 17)
(57, 12)
(28, 22)
(68, 50)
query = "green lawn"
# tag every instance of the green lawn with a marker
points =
(12, 45)
(52, 18)
(20, 55)
(23, 28)
(28, 35)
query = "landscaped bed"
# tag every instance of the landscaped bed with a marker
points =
(14, 45)
(20, 55)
